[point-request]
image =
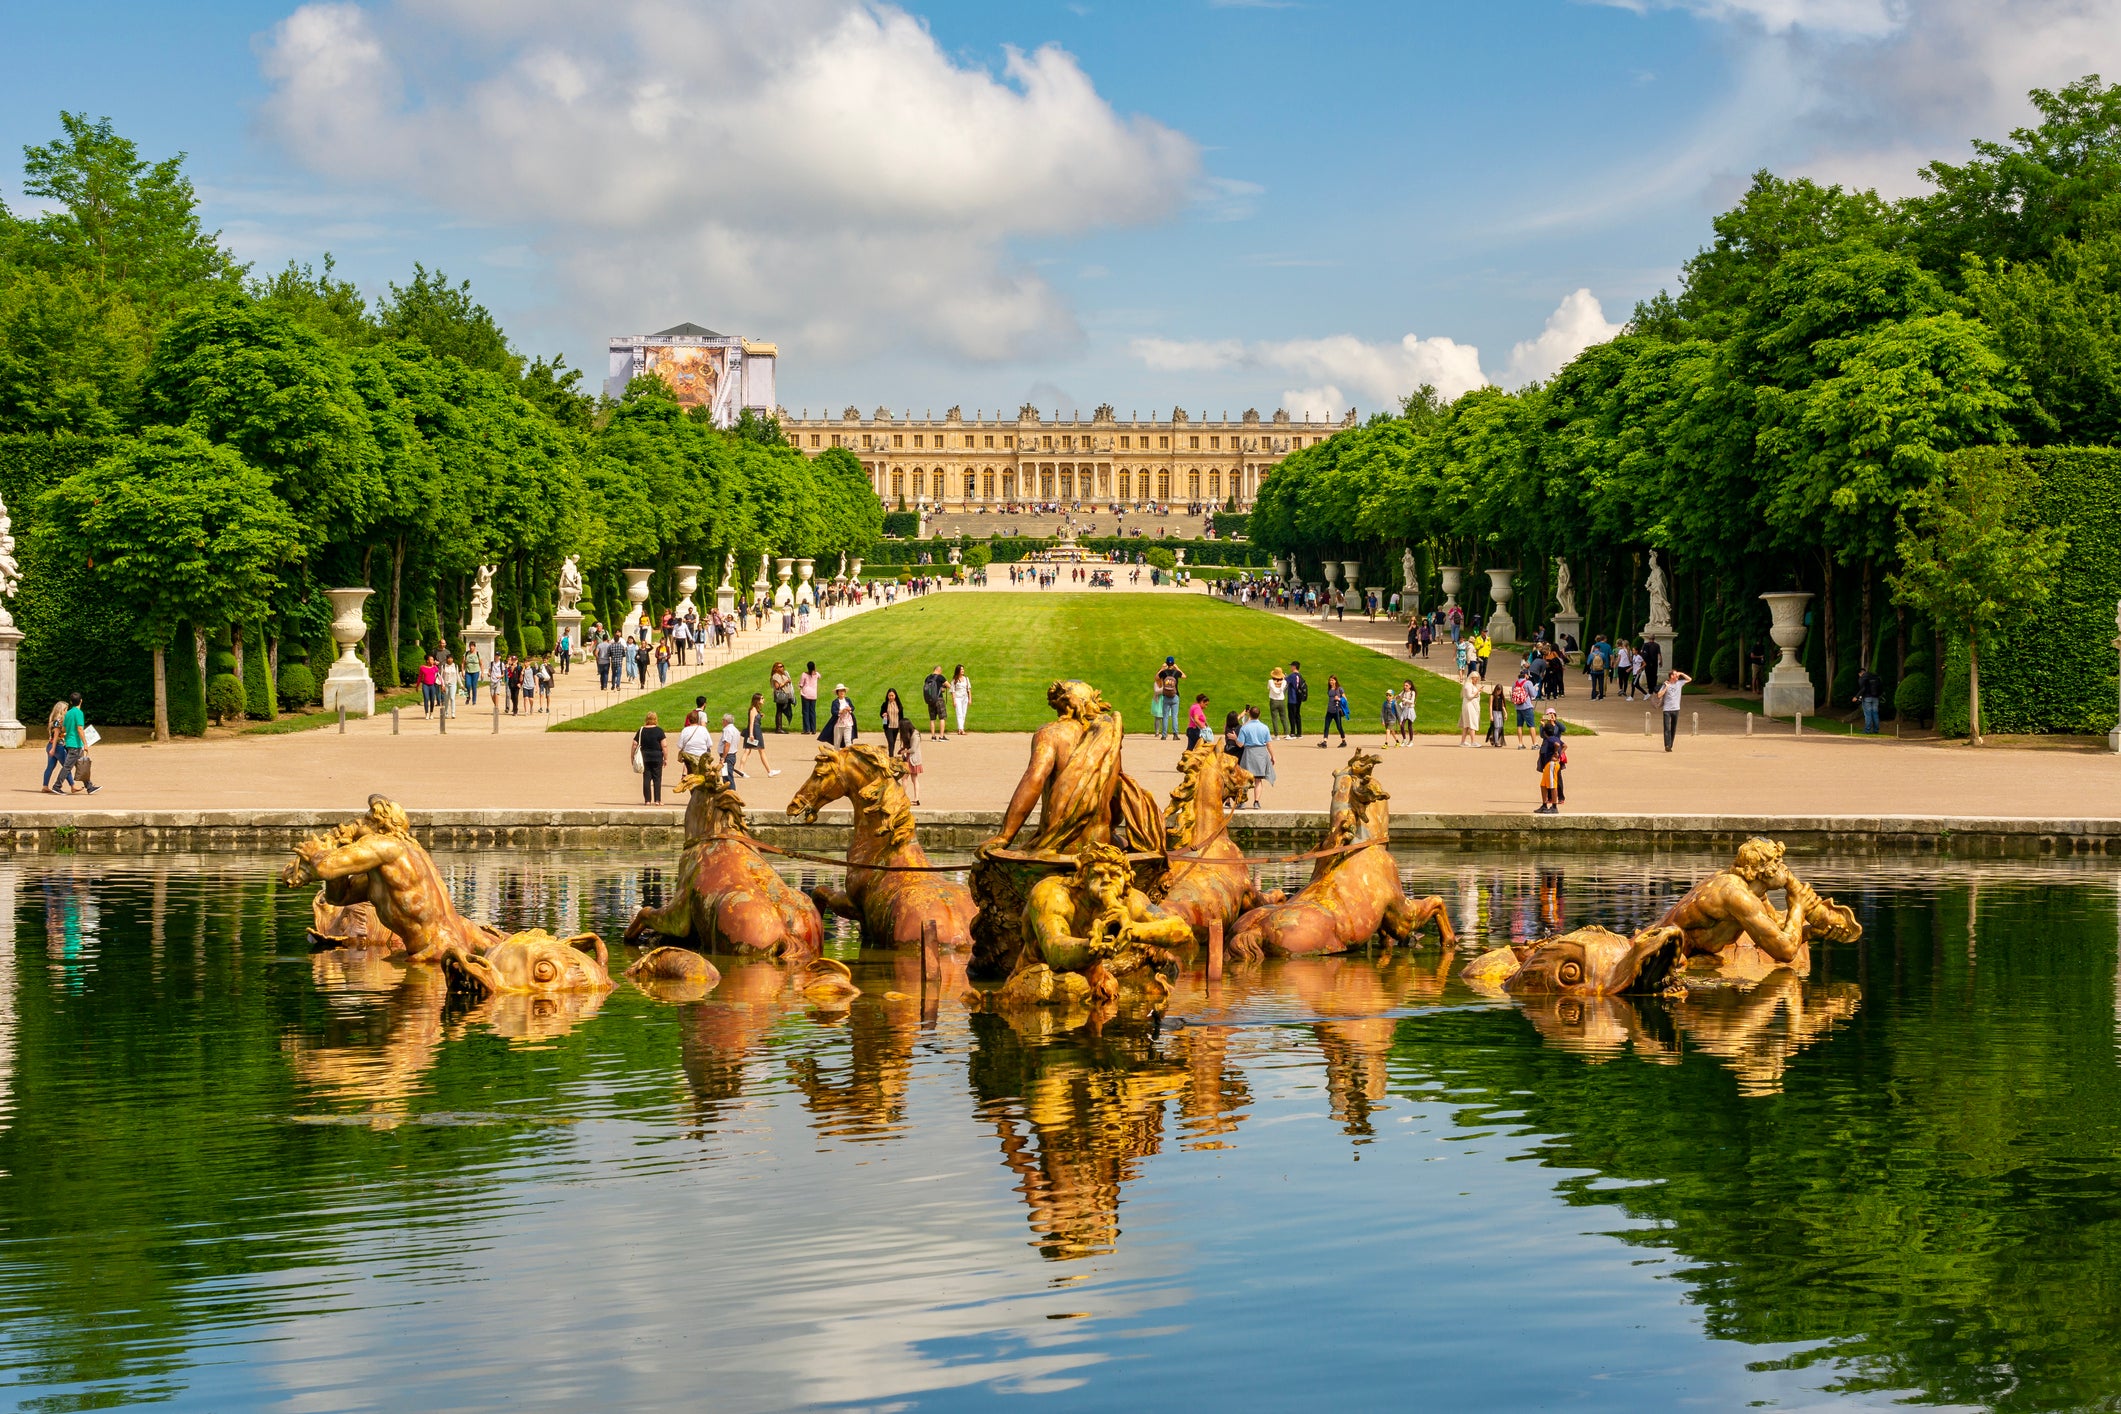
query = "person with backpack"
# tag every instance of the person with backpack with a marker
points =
(1297, 691)
(1552, 757)
(933, 688)
(1594, 664)
(1521, 697)
(1869, 689)
(1336, 712)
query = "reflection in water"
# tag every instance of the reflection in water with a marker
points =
(1890, 1180)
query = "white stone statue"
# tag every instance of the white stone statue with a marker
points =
(482, 599)
(765, 563)
(1406, 573)
(1564, 591)
(570, 583)
(10, 571)
(728, 571)
(1660, 600)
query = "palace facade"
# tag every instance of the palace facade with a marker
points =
(954, 462)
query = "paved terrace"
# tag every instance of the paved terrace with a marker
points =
(1617, 773)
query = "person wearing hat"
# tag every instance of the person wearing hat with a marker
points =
(732, 742)
(840, 728)
(1277, 703)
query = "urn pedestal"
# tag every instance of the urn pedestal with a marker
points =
(688, 585)
(12, 732)
(348, 684)
(1501, 627)
(1452, 577)
(1789, 688)
(783, 593)
(805, 591)
(636, 600)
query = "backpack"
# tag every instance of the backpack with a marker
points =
(1520, 692)
(1299, 691)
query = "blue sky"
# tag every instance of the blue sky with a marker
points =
(1311, 204)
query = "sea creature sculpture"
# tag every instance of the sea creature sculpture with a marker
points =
(1727, 916)
(1589, 962)
(1209, 879)
(673, 974)
(373, 860)
(532, 962)
(1095, 923)
(1354, 892)
(891, 905)
(728, 898)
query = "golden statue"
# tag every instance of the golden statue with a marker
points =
(728, 898)
(1727, 916)
(1095, 924)
(373, 860)
(1075, 778)
(891, 905)
(1589, 962)
(533, 962)
(1214, 882)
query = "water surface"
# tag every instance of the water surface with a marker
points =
(235, 1176)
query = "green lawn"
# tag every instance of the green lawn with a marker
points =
(1014, 645)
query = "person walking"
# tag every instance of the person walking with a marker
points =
(1388, 716)
(1168, 677)
(566, 651)
(806, 687)
(1650, 659)
(446, 685)
(1256, 752)
(1299, 693)
(1673, 682)
(430, 679)
(1413, 640)
(1552, 757)
(648, 742)
(73, 736)
(695, 745)
(840, 726)
(1336, 712)
(893, 716)
(1278, 702)
(910, 752)
(1869, 689)
(1594, 663)
(473, 665)
(1521, 696)
(1197, 721)
(934, 688)
(783, 688)
(755, 733)
(730, 744)
(54, 745)
(1231, 745)
(1470, 689)
(961, 696)
(662, 662)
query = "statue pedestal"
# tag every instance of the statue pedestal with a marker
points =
(725, 600)
(1665, 636)
(481, 641)
(1789, 687)
(568, 624)
(1566, 627)
(348, 685)
(11, 730)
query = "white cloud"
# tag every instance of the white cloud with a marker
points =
(1576, 324)
(1324, 403)
(1380, 374)
(814, 170)
(1844, 17)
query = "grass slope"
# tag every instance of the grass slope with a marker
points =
(1014, 645)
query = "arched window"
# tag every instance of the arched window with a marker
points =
(987, 485)
(1163, 486)
(971, 485)
(898, 483)
(920, 482)
(1192, 485)
(1215, 485)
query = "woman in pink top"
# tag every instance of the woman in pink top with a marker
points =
(1197, 721)
(430, 675)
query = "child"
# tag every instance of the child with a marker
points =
(1389, 714)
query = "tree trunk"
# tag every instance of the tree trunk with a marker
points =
(235, 643)
(161, 695)
(1973, 685)
(1826, 644)
(397, 599)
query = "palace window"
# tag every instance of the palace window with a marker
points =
(1193, 444)
(917, 441)
(990, 442)
(971, 485)
(1215, 484)
(1163, 444)
(898, 483)
(1123, 443)
(1163, 485)
(920, 482)
(813, 439)
(1009, 442)
(1192, 485)
(898, 439)
(1215, 444)
(1009, 485)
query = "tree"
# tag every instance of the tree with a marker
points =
(1972, 553)
(448, 320)
(180, 531)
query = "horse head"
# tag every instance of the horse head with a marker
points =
(715, 808)
(1362, 809)
(868, 776)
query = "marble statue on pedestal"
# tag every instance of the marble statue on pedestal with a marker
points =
(1407, 584)
(1659, 627)
(1564, 590)
(11, 729)
(567, 619)
(570, 583)
(728, 572)
(482, 600)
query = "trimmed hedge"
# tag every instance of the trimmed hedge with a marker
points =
(187, 690)
(2056, 673)
(257, 675)
(1229, 523)
(298, 686)
(902, 525)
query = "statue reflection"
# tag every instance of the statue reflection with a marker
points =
(717, 1036)
(1076, 1111)
(366, 1055)
(1355, 992)
(862, 1094)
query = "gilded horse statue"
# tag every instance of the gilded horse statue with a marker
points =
(890, 905)
(729, 899)
(1354, 892)
(1209, 879)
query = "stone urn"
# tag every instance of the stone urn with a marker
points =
(1789, 688)
(783, 594)
(636, 599)
(348, 684)
(1452, 577)
(1328, 569)
(855, 574)
(1501, 627)
(688, 582)
(1351, 573)
(805, 592)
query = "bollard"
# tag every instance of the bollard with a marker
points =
(444, 720)
(1645, 724)
(1697, 724)
(393, 721)
(1800, 724)
(931, 955)
(342, 719)
(1215, 949)
(496, 716)
(1749, 724)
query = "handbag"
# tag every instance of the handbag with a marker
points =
(638, 764)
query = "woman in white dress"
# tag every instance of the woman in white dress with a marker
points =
(1470, 690)
(960, 694)
(1409, 705)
